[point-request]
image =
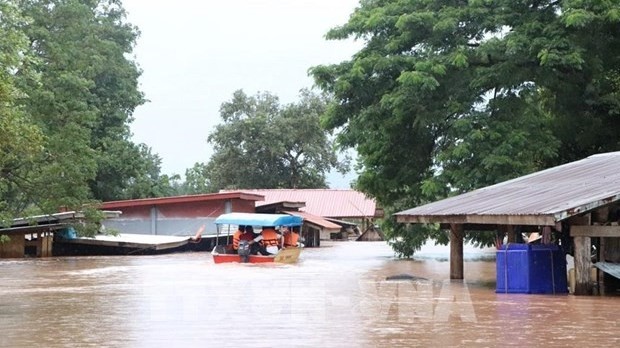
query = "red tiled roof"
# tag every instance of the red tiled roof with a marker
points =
(317, 220)
(323, 202)
(181, 199)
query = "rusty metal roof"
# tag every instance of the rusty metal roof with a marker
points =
(541, 198)
(323, 202)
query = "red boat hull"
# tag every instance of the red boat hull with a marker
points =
(223, 258)
(288, 255)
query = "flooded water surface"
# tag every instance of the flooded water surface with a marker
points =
(343, 294)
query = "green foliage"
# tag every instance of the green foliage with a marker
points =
(197, 180)
(21, 143)
(87, 93)
(448, 96)
(67, 92)
(263, 144)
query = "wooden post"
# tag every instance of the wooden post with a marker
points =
(582, 265)
(601, 258)
(456, 251)
(511, 236)
(47, 244)
(39, 251)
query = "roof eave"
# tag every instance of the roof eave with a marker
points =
(541, 220)
(181, 199)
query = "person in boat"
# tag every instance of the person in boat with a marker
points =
(291, 237)
(267, 243)
(241, 234)
(250, 230)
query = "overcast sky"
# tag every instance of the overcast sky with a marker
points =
(194, 54)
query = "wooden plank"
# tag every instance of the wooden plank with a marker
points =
(456, 251)
(582, 220)
(595, 231)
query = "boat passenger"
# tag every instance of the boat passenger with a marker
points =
(250, 230)
(291, 237)
(241, 234)
(268, 242)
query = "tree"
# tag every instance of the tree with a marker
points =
(150, 182)
(262, 144)
(67, 92)
(87, 92)
(21, 143)
(197, 180)
(448, 96)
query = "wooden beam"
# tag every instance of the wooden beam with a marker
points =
(595, 231)
(581, 220)
(582, 265)
(536, 220)
(456, 251)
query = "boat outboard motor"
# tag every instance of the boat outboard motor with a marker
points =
(244, 250)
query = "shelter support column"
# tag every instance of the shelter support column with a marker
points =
(456, 251)
(601, 274)
(582, 265)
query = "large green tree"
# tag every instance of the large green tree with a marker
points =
(448, 96)
(21, 141)
(263, 144)
(85, 98)
(68, 88)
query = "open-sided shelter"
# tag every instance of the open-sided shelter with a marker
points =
(579, 201)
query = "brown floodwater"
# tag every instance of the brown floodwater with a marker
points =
(336, 296)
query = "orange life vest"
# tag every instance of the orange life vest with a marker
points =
(270, 238)
(290, 239)
(238, 236)
(236, 239)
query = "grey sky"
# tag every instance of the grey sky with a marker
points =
(195, 54)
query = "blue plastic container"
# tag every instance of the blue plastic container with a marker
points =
(531, 269)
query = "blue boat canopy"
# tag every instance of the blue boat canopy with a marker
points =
(251, 219)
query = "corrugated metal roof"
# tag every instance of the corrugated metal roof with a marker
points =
(541, 198)
(323, 202)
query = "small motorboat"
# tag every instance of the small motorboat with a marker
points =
(230, 222)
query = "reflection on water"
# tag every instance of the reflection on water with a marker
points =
(336, 296)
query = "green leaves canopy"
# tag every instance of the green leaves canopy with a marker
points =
(67, 92)
(262, 144)
(448, 96)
